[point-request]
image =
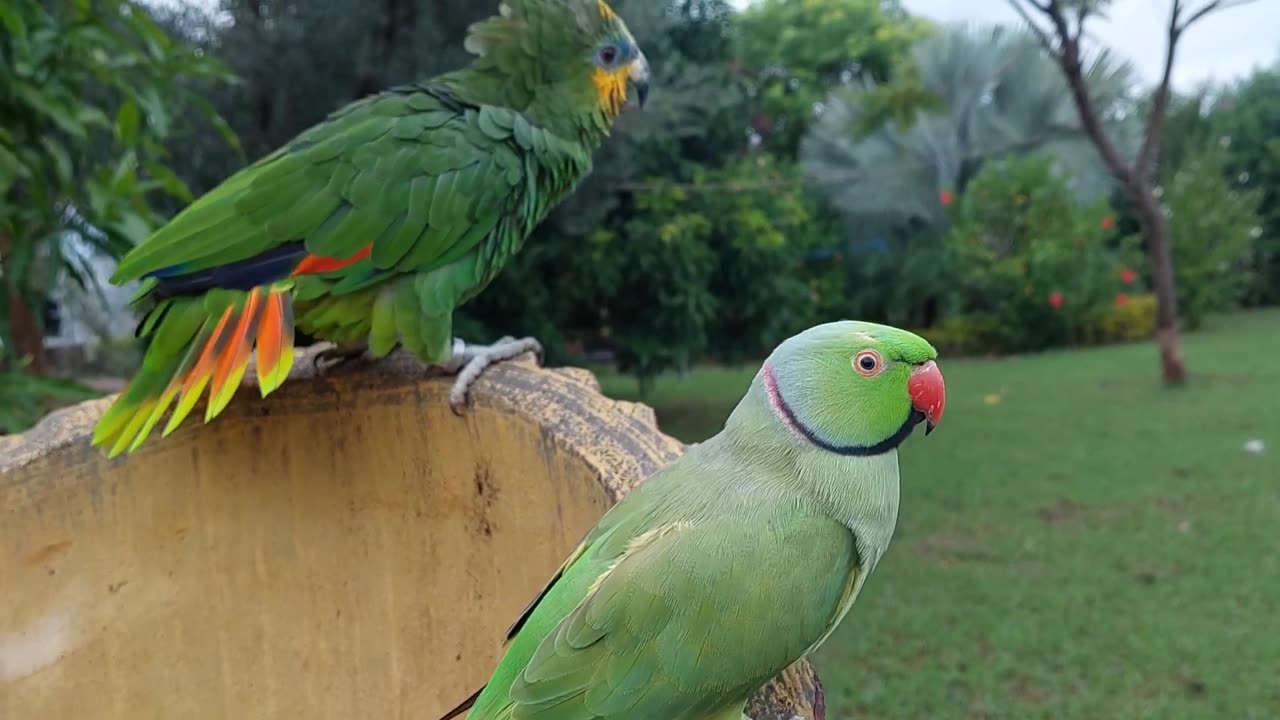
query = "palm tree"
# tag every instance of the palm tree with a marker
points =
(999, 96)
(992, 93)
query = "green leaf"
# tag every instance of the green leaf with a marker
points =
(127, 121)
(125, 175)
(11, 168)
(219, 123)
(61, 115)
(89, 115)
(171, 183)
(157, 114)
(64, 170)
(13, 22)
(132, 227)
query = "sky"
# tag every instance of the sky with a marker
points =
(1223, 46)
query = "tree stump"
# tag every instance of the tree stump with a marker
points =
(346, 548)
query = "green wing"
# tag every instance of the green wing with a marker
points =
(682, 620)
(415, 172)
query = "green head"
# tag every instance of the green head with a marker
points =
(854, 388)
(567, 63)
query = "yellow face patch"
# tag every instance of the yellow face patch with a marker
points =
(611, 88)
(606, 12)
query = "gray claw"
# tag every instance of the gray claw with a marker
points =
(333, 357)
(470, 361)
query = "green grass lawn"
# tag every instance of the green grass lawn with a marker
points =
(1075, 541)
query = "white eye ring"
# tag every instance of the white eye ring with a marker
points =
(868, 363)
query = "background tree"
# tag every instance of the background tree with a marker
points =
(1062, 40)
(1246, 126)
(1000, 97)
(796, 53)
(89, 92)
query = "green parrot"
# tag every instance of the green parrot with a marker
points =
(728, 565)
(371, 227)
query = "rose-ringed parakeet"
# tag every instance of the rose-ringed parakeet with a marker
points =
(369, 228)
(742, 556)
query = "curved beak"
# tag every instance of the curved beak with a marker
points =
(639, 78)
(928, 393)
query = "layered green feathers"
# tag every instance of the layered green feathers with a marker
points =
(421, 194)
(665, 610)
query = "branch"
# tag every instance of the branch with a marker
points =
(1160, 104)
(1212, 7)
(1080, 18)
(1068, 59)
(1039, 32)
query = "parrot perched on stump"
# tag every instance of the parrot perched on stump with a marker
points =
(739, 558)
(371, 227)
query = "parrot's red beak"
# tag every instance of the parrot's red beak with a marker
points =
(928, 393)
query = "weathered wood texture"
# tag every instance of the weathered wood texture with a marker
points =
(347, 548)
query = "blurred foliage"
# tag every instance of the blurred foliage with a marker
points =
(1132, 320)
(25, 398)
(766, 280)
(1213, 227)
(959, 335)
(798, 162)
(1219, 173)
(1001, 98)
(1247, 128)
(1031, 262)
(795, 53)
(89, 91)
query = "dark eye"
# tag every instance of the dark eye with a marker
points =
(867, 362)
(608, 55)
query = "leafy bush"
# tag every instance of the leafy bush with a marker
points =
(1129, 319)
(652, 279)
(715, 265)
(89, 92)
(1030, 263)
(762, 240)
(1247, 122)
(959, 336)
(24, 398)
(1213, 228)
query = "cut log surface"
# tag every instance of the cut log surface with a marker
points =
(346, 548)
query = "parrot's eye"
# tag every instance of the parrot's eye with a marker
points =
(608, 55)
(867, 363)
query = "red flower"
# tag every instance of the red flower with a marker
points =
(1121, 299)
(1108, 223)
(1127, 276)
(946, 198)
(1055, 300)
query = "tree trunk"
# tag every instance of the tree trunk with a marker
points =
(1155, 233)
(24, 327)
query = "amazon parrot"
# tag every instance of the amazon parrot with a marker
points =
(371, 227)
(739, 558)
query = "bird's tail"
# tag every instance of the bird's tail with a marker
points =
(199, 341)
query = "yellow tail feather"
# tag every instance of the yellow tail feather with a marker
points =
(216, 356)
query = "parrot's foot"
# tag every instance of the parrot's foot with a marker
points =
(333, 357)
(471, 360)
